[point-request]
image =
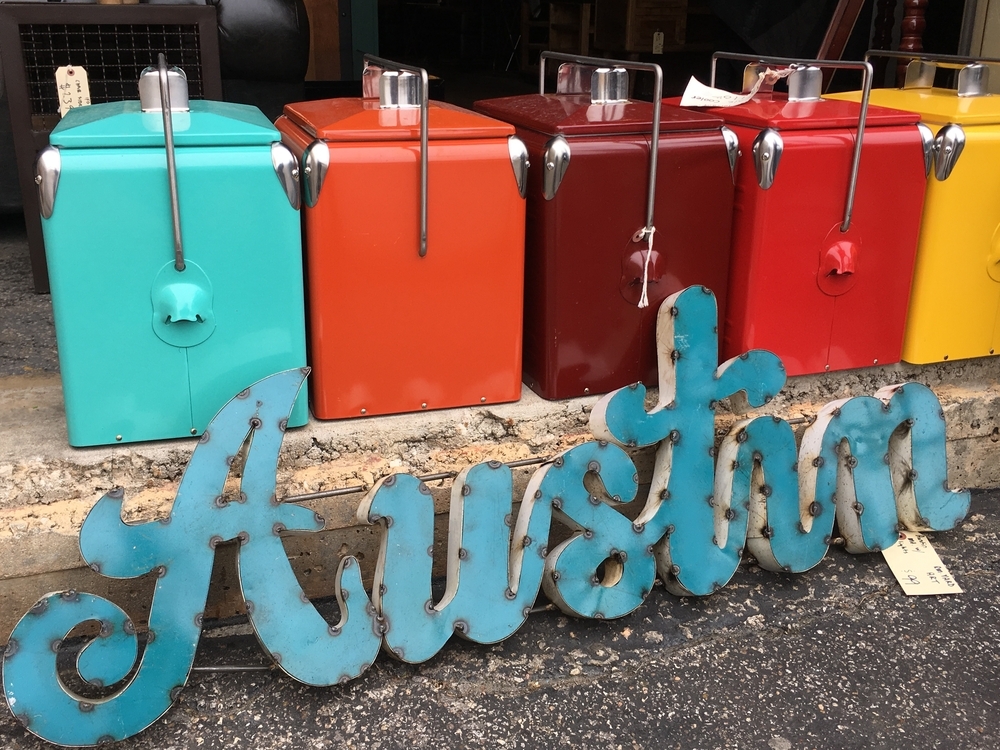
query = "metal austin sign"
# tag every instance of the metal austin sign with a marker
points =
(874, 464)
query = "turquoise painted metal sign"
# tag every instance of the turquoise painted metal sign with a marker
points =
(873, 464)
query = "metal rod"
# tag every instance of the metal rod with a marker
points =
(424, 84)
(866, 72)
(168, 137)
(657, 101)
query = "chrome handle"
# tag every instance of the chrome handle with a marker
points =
(973, 77)
(866, 71)
(379, 62)
(657, 97)
(168, 138)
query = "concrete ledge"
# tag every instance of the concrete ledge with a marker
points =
(47, 488)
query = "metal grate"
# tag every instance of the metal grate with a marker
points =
(113, 55)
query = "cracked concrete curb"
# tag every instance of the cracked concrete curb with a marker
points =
(47, 488)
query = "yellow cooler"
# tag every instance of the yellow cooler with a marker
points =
(955, 301)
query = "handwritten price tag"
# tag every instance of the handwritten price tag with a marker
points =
(918, 568)
(698, 94)
(73, 87)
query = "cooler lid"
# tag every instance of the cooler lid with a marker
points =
(574, 114)
(123, 124)
(775, 111)
(363, 120)
(939, 106)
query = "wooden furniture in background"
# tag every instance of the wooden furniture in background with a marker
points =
(568, 28)
(629, 25)
(324, 40)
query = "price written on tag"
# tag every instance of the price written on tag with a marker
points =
(918, 568)
(73, 88)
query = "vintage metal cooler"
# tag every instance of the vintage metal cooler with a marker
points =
(175, 260)
(955, 303)
(414, 225)
(828, 201)
(595, 193)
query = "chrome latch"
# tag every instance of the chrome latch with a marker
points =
(609, 86)
(149, 90)
(805, 84)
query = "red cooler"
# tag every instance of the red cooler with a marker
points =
(828, 203)
(414, 230)
(595, 192)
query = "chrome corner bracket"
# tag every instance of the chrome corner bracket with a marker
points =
(47, 169)
(555, 162)
(286, 167)
(732, 149)
(767, 148)
(927, 141)
(948, 146)
(519, 162)
(315, 163)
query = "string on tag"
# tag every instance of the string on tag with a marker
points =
(648, 233)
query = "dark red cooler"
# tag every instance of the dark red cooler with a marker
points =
(585, 253)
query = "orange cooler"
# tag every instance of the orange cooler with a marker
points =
(404, 318)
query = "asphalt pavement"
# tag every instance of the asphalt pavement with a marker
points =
(834, 658)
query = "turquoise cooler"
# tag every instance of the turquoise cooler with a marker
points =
(147, 350)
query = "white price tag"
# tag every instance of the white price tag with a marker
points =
(658, 43)
(73, 88)
(697, 94)
(917, 566)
